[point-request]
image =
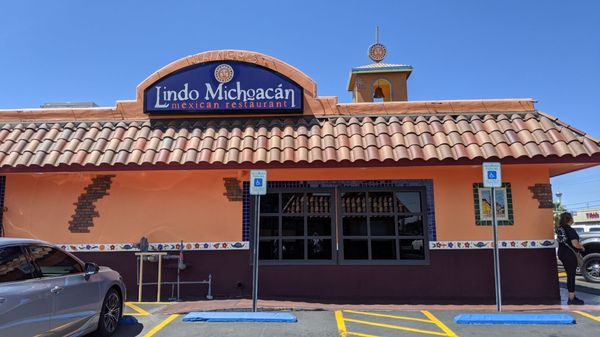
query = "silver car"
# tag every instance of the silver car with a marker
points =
(45, 291)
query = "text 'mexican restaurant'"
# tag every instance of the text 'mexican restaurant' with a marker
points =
(378, 200)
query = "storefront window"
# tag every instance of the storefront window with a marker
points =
(382, 225)
(296, 226)
(368, 224)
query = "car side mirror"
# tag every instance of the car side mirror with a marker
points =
(90, 269)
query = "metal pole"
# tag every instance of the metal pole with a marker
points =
(255, 253)
(159, 278)
(179, 264)
(141, 278)
(496, 254)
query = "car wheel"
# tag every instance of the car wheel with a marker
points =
(591, 267)
(110, 314)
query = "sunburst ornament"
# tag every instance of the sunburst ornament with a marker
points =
(377, 51)
(224, 73)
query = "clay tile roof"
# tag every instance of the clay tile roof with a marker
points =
(437, 137)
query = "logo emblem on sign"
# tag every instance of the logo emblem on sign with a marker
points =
(224, 73)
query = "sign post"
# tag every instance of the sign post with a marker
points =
(492, 178)
(258, 187)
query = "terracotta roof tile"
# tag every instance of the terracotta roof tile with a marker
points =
(386, 153)
(468, 138)
(511, 136)
(503, 150)
(357, 154)
(497, 137)
(398, 139)
(525, 136)
(489, 151)
(425, 139)
(562, 149)
(415, 152)
(518, 150)
(301, 155)
(430, 152)
(454, 138)
(51, 158)
(591, 146)
(121, 157)
(474, 151)
(394, 126)
(383, 139)
(547, 149)
(463, 125)
(483, 137)
(576, 148)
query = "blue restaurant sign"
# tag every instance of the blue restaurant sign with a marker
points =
(224, 87)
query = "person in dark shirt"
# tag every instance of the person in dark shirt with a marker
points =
(568, 244)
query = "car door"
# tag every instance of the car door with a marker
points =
(25, 301)
(75, 299)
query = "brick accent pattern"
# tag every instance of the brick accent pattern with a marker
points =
(85, 209)
(233, 190)
(543, 194)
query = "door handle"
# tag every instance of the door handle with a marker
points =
(56, 289)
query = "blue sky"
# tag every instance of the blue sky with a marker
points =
(53, 51)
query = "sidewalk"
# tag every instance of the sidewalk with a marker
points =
(246, 304)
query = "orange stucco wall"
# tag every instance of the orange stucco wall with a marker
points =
(168, 206)
(163, 206)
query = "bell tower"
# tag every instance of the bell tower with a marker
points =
(379, 82)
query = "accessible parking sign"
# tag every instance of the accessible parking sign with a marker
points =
(258, 182)
(492, 175)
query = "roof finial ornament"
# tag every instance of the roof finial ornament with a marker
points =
(377, 51)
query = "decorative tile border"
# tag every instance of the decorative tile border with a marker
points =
(244, 245)
(159, 246)
(504, 244)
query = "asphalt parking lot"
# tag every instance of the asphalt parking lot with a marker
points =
(153, 323)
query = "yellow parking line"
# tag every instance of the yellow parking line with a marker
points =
(339, 318)
(350, 333)
(397, 327)
(585, 314)
(439, 323)
(139, 311)
(389, 316)
(161, 325)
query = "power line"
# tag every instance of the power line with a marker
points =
(578, 182)
(575, 176)
(582, 208)
(579, 203)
